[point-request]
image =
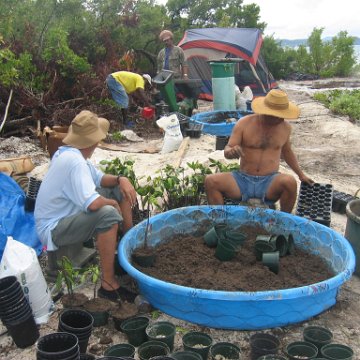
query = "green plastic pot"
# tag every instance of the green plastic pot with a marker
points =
(197, 342)
(121, 350)
(163, 331)
(291, 245)
(317, 335)
(271, 260)
(101, 318)
(186, 355)
(134, 328)
(225, 250)
(337, 352)
(225, 350)
(261, 247)
(301, 350)
(152, 348)
(215, 233)
(236, 237)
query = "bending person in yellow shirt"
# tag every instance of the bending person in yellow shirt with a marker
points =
(123, 84)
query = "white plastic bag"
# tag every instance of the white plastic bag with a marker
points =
(21, 260)
(173, 136)
(241, 97)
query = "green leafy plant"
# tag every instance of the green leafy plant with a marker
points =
(68, 275)
(118, 167)
(343, 102)
(92, 273)
(117, 136)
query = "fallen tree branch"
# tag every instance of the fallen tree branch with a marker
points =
(6, 110)
(17, 122)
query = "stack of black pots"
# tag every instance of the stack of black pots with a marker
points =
(31, 193)
(58, 346)
(16, 313)
(78, 322)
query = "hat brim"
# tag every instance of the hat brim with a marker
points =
(86, 141)
(259, 106)
(166, 38)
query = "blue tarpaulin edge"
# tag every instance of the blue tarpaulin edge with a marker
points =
(14, 220)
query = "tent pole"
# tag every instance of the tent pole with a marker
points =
(257, 77)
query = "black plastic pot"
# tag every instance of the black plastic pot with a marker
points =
(134, 328)
(7, 284)
(337, 352)
(226, 350)
(186, 355)
(317, 335)
(58, 346)
(78, 322)
(263, 344)
(198, 342)
(23, 330)
(273, 357)
(87, 357)
(301, 350)
(152, 348)
(163, 331)
(121, 350)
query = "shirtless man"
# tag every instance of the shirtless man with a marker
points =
(260, 140)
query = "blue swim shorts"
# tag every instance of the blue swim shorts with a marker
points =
(254, 187)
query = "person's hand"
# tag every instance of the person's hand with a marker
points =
(127, 190)
(306, 179)
(234, 152)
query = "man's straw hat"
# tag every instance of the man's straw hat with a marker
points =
(275, 103)
(86, 130)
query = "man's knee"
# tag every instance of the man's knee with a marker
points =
(210, 182)
(108, 214)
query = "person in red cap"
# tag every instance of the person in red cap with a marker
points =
(260, 140)
(171, 57)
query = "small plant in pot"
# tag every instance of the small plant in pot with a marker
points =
(99, 308)
(145, 256)
(69, 277)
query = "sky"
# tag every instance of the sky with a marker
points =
(295, 19)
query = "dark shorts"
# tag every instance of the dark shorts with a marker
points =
(81, 227)
(254, 187)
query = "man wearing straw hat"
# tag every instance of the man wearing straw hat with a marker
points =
(260, 140)
(77, 201)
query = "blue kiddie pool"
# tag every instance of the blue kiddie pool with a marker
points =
(241, 310)
(218, 122)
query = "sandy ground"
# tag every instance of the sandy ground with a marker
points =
(328, 150)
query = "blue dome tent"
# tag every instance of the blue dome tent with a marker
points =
(240, 44)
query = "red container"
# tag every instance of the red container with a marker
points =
(148, 113)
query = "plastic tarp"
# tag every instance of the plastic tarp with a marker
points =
(14, 220)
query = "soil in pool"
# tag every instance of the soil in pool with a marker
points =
(187, 261)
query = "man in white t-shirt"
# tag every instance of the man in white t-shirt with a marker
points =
(77, 201)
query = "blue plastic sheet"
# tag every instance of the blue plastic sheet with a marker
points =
(14, 220)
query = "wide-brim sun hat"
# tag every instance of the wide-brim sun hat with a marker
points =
(86, 130)
(275, 103)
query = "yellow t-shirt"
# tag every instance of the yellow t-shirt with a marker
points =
(129, 80)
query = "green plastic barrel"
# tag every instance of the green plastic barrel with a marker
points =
(352, 231)
(223, 85)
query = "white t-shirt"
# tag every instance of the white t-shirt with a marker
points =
(68, 188)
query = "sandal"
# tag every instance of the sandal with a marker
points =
(115, 295)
